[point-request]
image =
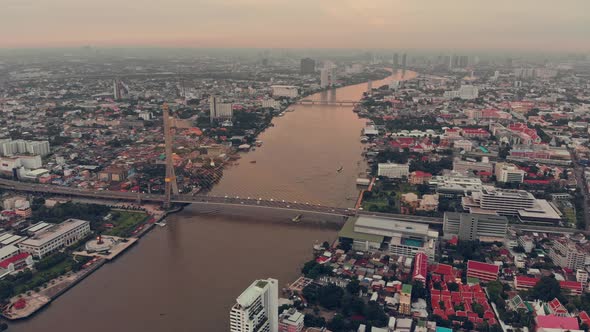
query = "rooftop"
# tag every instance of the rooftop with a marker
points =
(53, 232)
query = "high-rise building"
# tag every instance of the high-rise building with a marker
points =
(218, 110)
(404, 61)
(9, 147)
(567, 254)
(307, 66)
(472, 226)
(395, 62)
(120, 90)
(256, 309)
(327, 76)
(509, 173)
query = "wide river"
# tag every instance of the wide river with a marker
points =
(186, 276)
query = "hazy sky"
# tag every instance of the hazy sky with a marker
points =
(413, 24)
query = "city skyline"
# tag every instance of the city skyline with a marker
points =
(460, 24)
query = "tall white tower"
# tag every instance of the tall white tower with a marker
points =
(257, 308)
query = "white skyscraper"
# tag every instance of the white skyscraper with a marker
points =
(219, 110)
(256, 309)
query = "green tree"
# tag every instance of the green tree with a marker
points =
(418, 290)
(546, 289)
(353, 287)
(375, 315)
(338, 324)
(314, 321)
(330, 296)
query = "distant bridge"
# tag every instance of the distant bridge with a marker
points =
(252, 202)
(328, 102)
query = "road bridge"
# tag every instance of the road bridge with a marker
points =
(327, 102)
(251, 202)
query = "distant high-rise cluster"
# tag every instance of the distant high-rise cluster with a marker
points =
(9, 147)
(307, 66)
(120, 90)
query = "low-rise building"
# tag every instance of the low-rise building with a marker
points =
(291, 321)
(393, 171)
(398, 237)
(482, 271)
(56, 237)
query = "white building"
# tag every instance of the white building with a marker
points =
(518, 203)
(509, 173)
(56, 237)
(471, 226)
(291, 321)
(271, 103)
(326, 77)
(399, 237)
(31, 162)
(394, 171)
(289, 91)
(9, 147)
(256, 309)
(566, 253)
(8, 251)
(463, 144)
(219, 110)
(465, 92)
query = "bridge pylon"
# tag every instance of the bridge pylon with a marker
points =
(171, 186)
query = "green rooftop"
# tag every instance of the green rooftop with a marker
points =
(348, 232)
(407, 289)
(261, 283)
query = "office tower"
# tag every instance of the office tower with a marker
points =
(395, 61)
(404, 61)
(218, 110)
(256, 309)
(473, 226)
(307, 66)
(120, 90)
(327, 76)
(463, 61)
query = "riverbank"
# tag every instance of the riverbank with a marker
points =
(176, 263)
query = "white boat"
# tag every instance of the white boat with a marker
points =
(161, 224)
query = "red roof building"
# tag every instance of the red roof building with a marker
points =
(584, 318)
(573, 287)
(556, 308)
(419, 177)
(555, 322)
(15, 263)
(524, 282)
(482, 271)
(475, 133)
(420, 267)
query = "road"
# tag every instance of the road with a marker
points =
(208, 200)
(579, 172)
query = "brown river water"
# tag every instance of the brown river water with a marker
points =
(186, 276)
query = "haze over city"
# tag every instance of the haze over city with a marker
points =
(295, 165)
(455, 24)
